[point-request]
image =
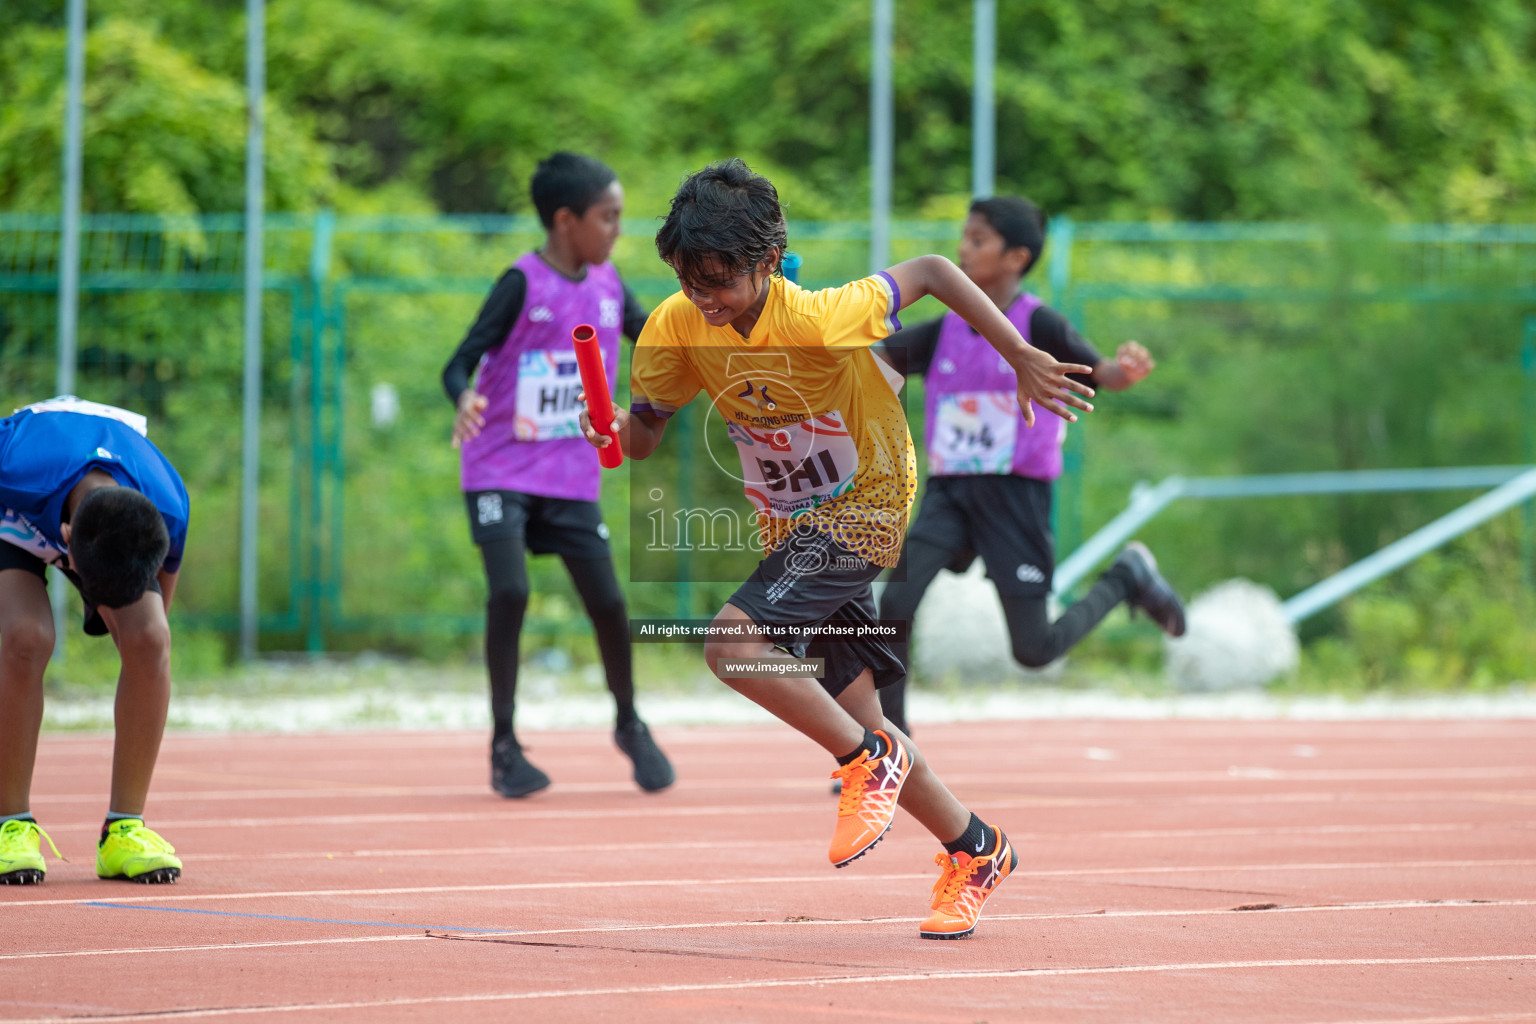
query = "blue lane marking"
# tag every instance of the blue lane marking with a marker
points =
(311, 920)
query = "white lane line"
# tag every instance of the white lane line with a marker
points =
(503, 815)
(1089, 778)
(1300, 866)
(664, 883)
(1014, 836)
(57, 954)
(1278, 830)
(1088, 916)
(652, 883)
(813, 981)
(333, 793)
(1481, 1018)
(1341, 797)
(1024, 731)
(478, 851)
(655, 808)
(1249, 773)
(642, 808)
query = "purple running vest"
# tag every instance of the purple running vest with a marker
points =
(972, 394)
(530, 441)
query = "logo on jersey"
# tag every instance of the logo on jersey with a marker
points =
(608, 312)
(765, 403)
(1029, 574)
(15, 529)
(946, 366)
(540, 314)
(488, 508)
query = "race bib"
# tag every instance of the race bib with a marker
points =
(547, 385)
(975, 433)
(792, 469)
(69, 403)
(15, 529)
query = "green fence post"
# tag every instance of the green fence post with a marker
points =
(296, 582)
(1063, 234)
(336, 317)
(319, 267)
(1528, 528)
(1067, 513)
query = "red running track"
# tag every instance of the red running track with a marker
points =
(1296, 872)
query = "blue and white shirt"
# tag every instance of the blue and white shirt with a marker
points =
(45, 450)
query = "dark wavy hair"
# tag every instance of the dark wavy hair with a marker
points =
(1019, 221)
(117, 541)
(722, 224)
(571, 181)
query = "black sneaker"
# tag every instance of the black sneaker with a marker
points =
(511, 774)
(653, 771)
(1147, 590)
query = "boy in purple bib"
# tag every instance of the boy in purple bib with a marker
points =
(990, 475)
(530, 479)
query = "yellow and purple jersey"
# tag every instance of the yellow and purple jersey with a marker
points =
(819, 430)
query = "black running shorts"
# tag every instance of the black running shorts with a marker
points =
(547, 526)
(1005, 519)
(811, 580)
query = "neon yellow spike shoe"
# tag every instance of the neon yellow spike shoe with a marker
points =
(136, 853)
(21, 852)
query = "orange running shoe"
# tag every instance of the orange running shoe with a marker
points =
(867, 802)
(964, 886)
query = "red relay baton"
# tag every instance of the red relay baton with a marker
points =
(594, 380)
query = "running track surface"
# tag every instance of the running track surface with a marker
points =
(1171, 871)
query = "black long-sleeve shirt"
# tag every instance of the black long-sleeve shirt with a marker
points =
(497, 315)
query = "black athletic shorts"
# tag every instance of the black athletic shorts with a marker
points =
(547, 526)
(1005, 519)
(13, 557)
(811, 580)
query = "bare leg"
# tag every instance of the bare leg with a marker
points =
(800, 702)
(143, 640)
(838, 724)
(924, 796)
(26, 644)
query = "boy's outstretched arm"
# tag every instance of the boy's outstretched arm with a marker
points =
(1041, 378)
(639, 432)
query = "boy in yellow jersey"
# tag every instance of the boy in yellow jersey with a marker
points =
(827, 461)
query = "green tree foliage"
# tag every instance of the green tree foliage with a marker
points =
(162, 133)
(1281, 109)
(461, 99)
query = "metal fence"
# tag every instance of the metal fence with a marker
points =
(1103, 272)
(362, 311)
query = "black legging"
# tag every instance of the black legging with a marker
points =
(506, 572)
(1037, 641)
